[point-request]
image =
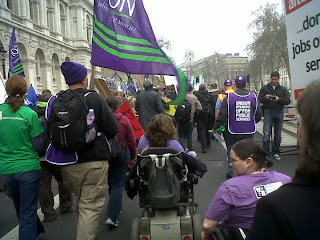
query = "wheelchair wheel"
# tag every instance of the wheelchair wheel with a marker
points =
(218, 235)
(196, 225)
(135, 229)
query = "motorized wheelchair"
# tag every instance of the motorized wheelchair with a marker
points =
(165, 188)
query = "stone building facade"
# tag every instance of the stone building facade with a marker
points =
(48, 33)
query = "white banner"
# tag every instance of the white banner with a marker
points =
(303, 38)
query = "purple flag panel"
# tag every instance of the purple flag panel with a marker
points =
(15, 65)
(123, 40)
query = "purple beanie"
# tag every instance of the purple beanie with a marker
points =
(73, 72)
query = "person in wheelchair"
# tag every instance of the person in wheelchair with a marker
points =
(160, 133)
(235, 201)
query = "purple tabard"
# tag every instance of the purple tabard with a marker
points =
(241, 112)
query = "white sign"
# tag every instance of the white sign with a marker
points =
(303, 38)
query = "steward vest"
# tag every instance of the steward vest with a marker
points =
(222, 96)
(241, 113)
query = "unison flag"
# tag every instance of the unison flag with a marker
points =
(31, 98)
(123, 40)
(15, 65)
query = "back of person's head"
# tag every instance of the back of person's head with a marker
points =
(160, 130)
(16, 88)
(113, 103)
(309, 132)
(147, 85)
(44, 97)
(190, 88)
(213, 85)
(46, 91)
(202, 87)
(169, 95)
(73, 72)
(248, 148)
(240, 81)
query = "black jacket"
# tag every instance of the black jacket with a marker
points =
(280, 91)
(223, 115)
(290, 213)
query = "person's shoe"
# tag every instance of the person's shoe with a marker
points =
(111, 223)
(68, 209)
(276, 157)
(50, 218)
(204, 150)
(229, 175)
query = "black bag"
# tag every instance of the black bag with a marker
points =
(68, 122)
(115, 148)
(163, 184)
(205, 101)
(44, 135)
(183, 112)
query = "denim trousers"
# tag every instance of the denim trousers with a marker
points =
(231, 140)
(272, 118)
(116, 179)
(185, 135)
(23, 189)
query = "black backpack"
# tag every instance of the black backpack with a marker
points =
(183, 111)
(44, 135)
(115, 148)
(205, 100)
(68, 121)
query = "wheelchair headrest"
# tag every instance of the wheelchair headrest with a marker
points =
(158, 151)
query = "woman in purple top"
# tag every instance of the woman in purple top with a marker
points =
(160, 133)
(235, 201)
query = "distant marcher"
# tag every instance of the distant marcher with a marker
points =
(88, 178)
(148, 104)
(240, 111)
(132, 101)
(228, 87)
(49, 170)
(202, 117)
(46, 91)
(214, 92)
(20, 140)
(235, 201)
(273, 97)
(292, 212)
(185, 123)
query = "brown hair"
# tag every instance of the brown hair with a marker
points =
(113, 103)
(16, 88)
(308, 108)
(160, 130)
(248, 148)
(44, 97)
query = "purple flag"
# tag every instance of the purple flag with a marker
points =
(15, 65)
(123, 40)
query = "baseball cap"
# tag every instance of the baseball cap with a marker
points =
(240, 79)
(228, 82)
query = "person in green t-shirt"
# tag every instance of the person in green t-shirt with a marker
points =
(20, 141)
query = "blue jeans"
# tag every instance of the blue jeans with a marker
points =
(231, 140)
(185, 135)
(23, 189)
(116, 179)
(272, 118)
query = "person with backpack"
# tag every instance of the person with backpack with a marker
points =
(119, 165)
(214, 92)
(68, 125)
(48, 170)
(184, 116)
(202, 117)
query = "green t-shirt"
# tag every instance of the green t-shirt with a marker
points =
(16, 131)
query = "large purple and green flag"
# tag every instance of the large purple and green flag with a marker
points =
(123, 40)
(15, 65)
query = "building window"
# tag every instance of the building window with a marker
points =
(229, 69)
(63, 20)
(242, 69)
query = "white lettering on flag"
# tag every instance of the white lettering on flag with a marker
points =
(243, 111)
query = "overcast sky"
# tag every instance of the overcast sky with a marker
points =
(203, 26)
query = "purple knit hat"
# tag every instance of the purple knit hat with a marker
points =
(73, 72)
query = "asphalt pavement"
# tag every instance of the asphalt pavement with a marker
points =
(64, 227)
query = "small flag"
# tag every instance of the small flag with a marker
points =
(123, 40)
(32, 98)
(15, 65)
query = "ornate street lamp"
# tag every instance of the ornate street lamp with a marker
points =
(3, 58)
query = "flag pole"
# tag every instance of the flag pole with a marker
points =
(1, 77)
(93, 68)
